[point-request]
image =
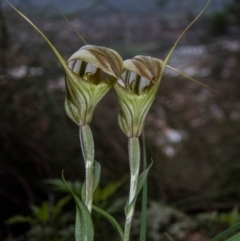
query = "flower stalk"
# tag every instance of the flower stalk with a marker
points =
(87, 146)
(134, 159)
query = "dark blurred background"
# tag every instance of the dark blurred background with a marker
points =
(192, 134)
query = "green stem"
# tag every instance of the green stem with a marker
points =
(144, 194)
(87, 145)
(134, 160)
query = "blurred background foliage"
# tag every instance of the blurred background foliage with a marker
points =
(192, 134)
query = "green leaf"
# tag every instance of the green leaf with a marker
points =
(19, 219)
(101, 195)
(56, 210)
(41, 213)
(62, 202)
(35, 210)
(142, 178)
(231, 234)
(44, 212)
(235, 237)
(96, 179)
(83, 226)
(116, 205)
(111, 219)
(58, 185)
(96, 174)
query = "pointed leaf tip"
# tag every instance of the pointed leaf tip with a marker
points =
(79, 35)
(61, 60)
(190, 78)
(184, 31)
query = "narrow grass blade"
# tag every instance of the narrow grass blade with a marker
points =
(231, 234)
(169, 237)
(111, 219)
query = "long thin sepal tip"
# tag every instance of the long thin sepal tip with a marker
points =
(188, 77)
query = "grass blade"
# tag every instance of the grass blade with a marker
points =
(231, 234)
(111, 219)
(144, 195)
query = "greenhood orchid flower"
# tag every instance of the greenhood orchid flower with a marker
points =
(136, 91)
(90, 73)
(94, 70)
